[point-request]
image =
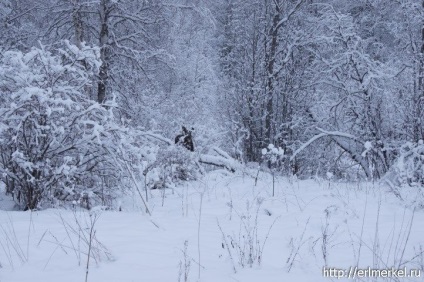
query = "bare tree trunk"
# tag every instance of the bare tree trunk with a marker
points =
(270, 60)
(78, 24)
(419, 95)
(104, 52)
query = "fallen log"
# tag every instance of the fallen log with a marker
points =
(230, 164)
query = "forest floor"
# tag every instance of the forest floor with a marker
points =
(221, 228)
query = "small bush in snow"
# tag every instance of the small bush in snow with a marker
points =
(408, 169)
(173, 164)
(273, 156)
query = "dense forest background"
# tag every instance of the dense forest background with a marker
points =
(89, 87)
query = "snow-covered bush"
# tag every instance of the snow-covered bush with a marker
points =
(56, 144)
(173, 164)
(408, 169)
(273, 156)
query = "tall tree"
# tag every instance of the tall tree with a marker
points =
(124, 30)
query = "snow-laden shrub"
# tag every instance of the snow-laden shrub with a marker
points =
(173, 164)
(273, 156)
(408, 169)
(56, 144)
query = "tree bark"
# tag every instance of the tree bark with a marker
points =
(273, 33)
(419, 97)
(78, 24)
(104, 52)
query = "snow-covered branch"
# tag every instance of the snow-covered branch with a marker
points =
(157, 137)
(323, 133)
(289, 14)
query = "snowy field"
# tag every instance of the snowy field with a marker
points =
(222, 228)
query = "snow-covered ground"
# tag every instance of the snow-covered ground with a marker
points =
(221, 228)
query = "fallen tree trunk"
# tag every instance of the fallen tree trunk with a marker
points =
(230, 164)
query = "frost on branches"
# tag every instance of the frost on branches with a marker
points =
(56, 145)
(408, 168)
